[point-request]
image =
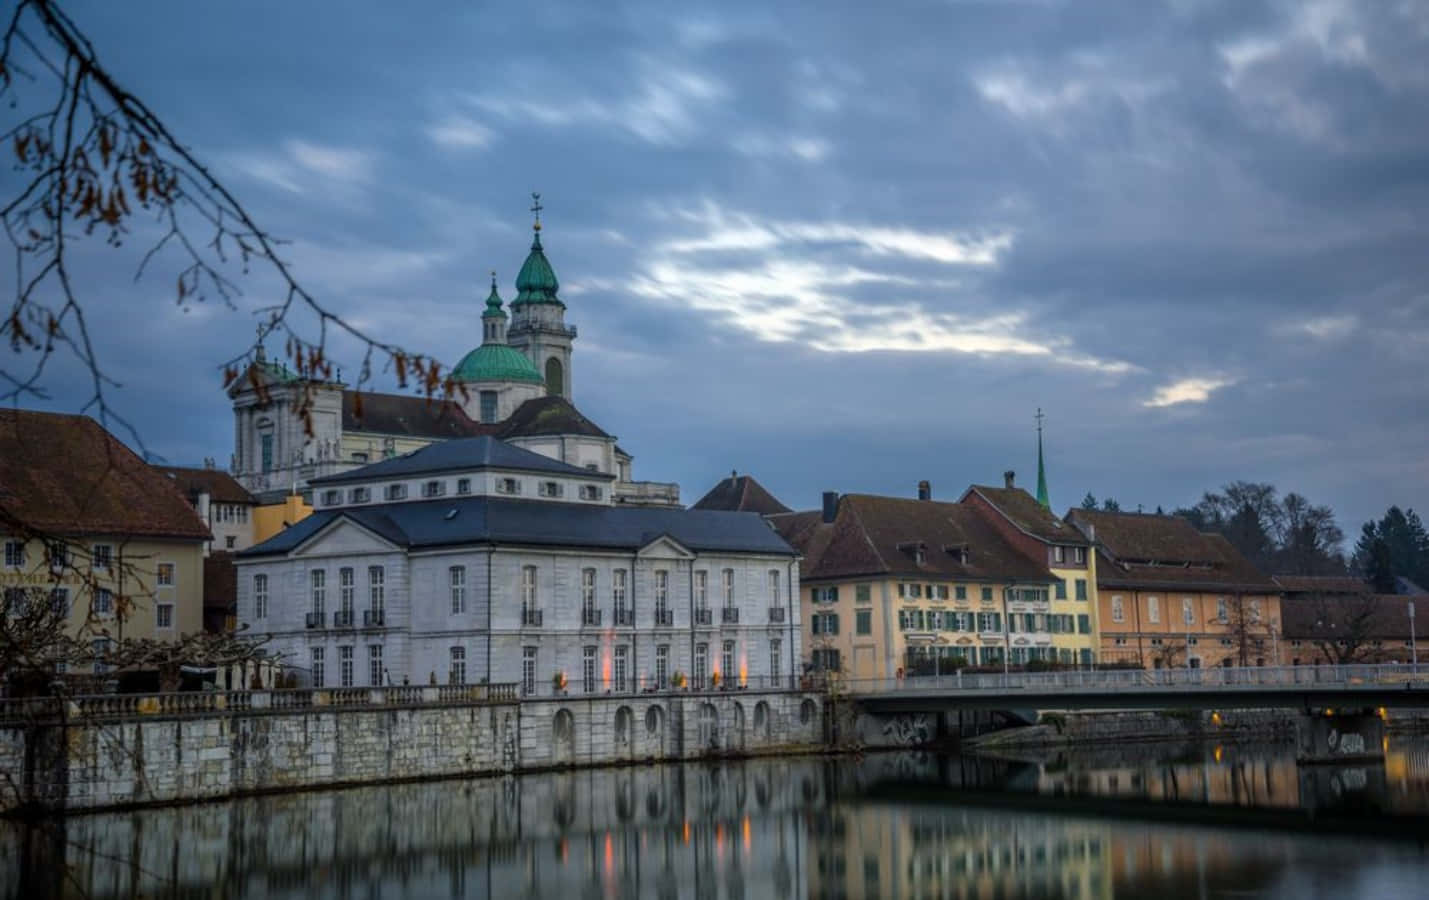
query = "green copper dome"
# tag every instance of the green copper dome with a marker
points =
(536, 282)
(497, 362)
(493, 302)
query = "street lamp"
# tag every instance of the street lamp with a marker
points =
(1413, 647)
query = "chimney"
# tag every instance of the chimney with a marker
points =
(925, 491)
(1009, 478)
(831, 505)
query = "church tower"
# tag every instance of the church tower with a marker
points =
(497, 377)
(538, 324)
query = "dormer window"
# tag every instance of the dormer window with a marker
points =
(359, 495)
(551, 489)
(1079, 554)
(434, 488)
(463, 485)
(590, 492)
(916, 549)
(508, 486)
(592, 467)
(396, 492)
(1059, 553)
(332, 498)
(958, 552)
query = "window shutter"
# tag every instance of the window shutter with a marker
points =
(834, 621)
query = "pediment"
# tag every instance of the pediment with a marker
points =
(343, 536)
(664, 547)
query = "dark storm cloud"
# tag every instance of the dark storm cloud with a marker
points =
(848, 247)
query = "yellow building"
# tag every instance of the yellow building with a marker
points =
(97, 539)
(896, 587)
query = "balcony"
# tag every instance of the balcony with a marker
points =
(374, 618)
(729, 615)
(530, 618)
(316, 619)
(343, 618)
(704, 616)
(590, 616)
(624, 617)
(776, 615)
(664, 617)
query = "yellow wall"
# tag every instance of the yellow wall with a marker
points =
(273, 518)
(1075, 643)
(1140, 640)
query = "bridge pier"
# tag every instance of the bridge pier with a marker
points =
(1339, 736)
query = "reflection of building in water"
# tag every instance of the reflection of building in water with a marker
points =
(1221, 775)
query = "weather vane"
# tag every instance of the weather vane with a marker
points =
(536, 208)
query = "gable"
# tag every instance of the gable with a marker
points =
(343, 536)
(664, 547)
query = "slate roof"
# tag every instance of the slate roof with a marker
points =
(407, 416)
(455, 455)
(1321, 584)
(482, 520)
(1375, 616)
(219, 485)
(873, 535)
(741, 493)
(1022, 510)
(1141, 550)
(66, 475)
(548, 416)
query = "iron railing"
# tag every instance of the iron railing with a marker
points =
(729, 615)
(531, 618)
(373, 618)
(590, 616)
(664, 617)
(704, 616)
(624, 616)
(776, 615)
(316, 619)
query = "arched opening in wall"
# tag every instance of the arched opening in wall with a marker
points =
(555, 378)
(736, 736)
(625, 798)
(564, 801)
(655, 731)
(707, 728)
(563, 737)
(624, 725)
(762, 726)
(806, 712)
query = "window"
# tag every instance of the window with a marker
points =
(1081, 589)
(1084, 623)
(824, 595)
(662, 591)
(1059, 553)
(863, 621)
(508, 486)
(662, 666)
(775, 648)
(1079, 555)
(1153, 609)
(622, 666)
(727, 670)
(825, 623)
(617, 592)
(488, 406)
(230, 542)
(463, 485)
(260, 596)
(1118, 609)
(1222, 613)
(588, 670)
(434, 488)
(1255, 609)
(266, 441)
(528, 670)
(165, 574)
(588, 596)
(551, 489)
(825, 660)
(317, 668)
(103, 602)
(359, 495)
(456, 669)
(456, 576)
(17, 602)
(1188, 610)
(374, 665)
(528, 587)
(344, 665)
(987, 595)
(102, 557)
(346, 590)
(14, 554)
(863, 593)
(1061, 590)
(961, 593)
(702, 586)
(332, 497)
(773, 587)
(59, 602)
(318, 577)
(590, 492)
(728, 579)
(396, 492)
(702, 652)
(377, 589)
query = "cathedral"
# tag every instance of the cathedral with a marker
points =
(518, 388)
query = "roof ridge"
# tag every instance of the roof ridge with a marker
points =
(863, 530)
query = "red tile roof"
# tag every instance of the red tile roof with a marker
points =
(741, 493)
(64, 474)
(219, 485)
(1140, 550)
(1321, 584)
(407, 416)
(1022, 510)
(1376, 616)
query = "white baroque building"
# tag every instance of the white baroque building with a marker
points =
(472, 559)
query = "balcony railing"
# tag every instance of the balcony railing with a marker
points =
(590, 616)
(776, 614)
(624, 617)
(704, 616)
(530, 618)
(316, 619)
(665, 617)
(729, 615)
(374, 618)
(343, 618)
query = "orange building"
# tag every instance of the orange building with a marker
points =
(1172, 596)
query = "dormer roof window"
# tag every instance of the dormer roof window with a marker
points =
(916, 549)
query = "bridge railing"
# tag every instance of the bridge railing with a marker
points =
(1149, 680)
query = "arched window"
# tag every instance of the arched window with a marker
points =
(555, 378)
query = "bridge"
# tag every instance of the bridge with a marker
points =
(1260, 687)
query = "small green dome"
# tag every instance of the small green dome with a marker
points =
(497, 362)
(493, 302)
(536, 282)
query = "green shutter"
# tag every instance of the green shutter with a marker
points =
(834, 623)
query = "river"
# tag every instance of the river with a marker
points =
(1159, 821)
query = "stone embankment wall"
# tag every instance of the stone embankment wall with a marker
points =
(153, 750)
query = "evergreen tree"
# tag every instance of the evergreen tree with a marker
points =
(1404, 550)
(1089, 502)
(1110, 505)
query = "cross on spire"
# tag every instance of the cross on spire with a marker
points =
(1039, 417)
(536, 208)
(1042, 497)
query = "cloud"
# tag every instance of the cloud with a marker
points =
(460, 133)
(1186, 390)
(293, 168)
(1321, 328)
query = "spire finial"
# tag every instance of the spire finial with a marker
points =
(1042, 497)
(536, 208)
(493, 279)
(262, 352)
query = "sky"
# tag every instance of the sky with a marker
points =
(838, 246)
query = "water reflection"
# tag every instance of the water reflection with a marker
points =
(892, 825)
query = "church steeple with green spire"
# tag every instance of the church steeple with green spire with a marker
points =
(1041, 468)
(538, 326)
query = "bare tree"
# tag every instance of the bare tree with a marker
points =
(1247, 627)
(1345, 626)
